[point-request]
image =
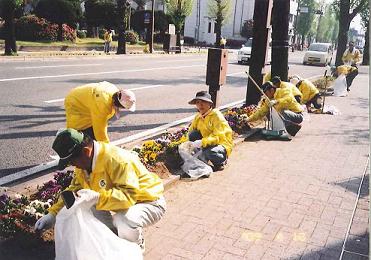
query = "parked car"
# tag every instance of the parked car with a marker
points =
(244, 54)
(318, 53)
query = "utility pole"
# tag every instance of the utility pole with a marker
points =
(280, 38)
(296, 25)
(262, 14)
(152, 27)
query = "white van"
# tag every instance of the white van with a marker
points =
(318, 53)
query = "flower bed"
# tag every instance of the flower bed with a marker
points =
(19, 214)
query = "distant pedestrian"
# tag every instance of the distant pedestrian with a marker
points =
(223, 42)
(210, 132)
(107, 41)
(89, 107)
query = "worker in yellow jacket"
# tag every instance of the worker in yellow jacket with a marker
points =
(114, 180)
(107, 41)
(282, 84)
(89, 107)
(210, 132)
(283, 101)
(310, 92)
(350, 58)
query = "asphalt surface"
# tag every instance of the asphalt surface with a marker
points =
(32, 92)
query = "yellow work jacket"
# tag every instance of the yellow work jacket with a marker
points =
(345, 69)
(352, 57)
(214, 129)
(308, 89)
(119, 177)
(285, 101)
(91, 105)
(107, 37)
(294, 90)
(267, 77)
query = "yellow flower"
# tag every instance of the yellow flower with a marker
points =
(152, 157)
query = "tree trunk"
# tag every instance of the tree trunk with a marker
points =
(60, 32)
(344, 23)
(258, 50)
(90, 31)
(218, 30)
(366, 51)
(121, 41)
(280, 39)
(178, 38)
(9, 28)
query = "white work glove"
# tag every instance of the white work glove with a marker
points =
(197, 144)
(89, 197)
(45, 222)
(272, 103)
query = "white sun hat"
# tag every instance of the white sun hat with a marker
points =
(127, 99)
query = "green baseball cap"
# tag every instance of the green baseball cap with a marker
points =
(67, 143)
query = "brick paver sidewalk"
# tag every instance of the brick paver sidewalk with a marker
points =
(276, 200)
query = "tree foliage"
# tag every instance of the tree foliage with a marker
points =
(305, 20)
(137, 21)
(247, 29)
(328, 27)
(100, 13)
(178, 10)
(220, 10)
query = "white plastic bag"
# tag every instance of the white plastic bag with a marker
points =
(80, 236)
(193, 166)
(276, 123)
(340, 86)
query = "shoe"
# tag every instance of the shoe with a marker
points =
(217, 168)
(142, 245)
(348, 89)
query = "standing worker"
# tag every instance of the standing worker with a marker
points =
(107, 41)
(350, 58)
(89, 107)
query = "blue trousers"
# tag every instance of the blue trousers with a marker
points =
(216, 154)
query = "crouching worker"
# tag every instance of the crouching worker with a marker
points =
(350, 73)
(127, 196)
(210, 131)
(282, 84)
(284, 102)
(310, 93)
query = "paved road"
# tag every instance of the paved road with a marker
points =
(31, 94)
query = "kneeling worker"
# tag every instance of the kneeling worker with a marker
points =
(310, 93)
(115, 180)
(282, 84)
(210, 131)
(285, 104)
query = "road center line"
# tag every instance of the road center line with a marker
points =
(99, 73)
(139, 88)
(59, 66)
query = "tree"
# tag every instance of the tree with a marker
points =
(59, 12)
(8, 10)
(220, 10)
(141, 4)
(327, 26)
(305, 20)
(178, 10)
(365, 18)
(247, 29)
(343, 7)
(100, 13)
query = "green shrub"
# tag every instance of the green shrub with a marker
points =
(131, 37)
(81, 34)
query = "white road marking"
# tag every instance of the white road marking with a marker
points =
(99, 73)
(236, 73)
(58, 66)
(139, 88)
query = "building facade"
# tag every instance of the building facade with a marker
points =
(201, 27)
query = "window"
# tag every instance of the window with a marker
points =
(214, 27)
(209, 29)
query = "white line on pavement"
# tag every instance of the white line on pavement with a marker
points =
(99, 73)
(139, 88)
(236, 73)
(58, 66)
(149, 133)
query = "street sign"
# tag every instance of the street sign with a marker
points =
(147, 17)
(304, 9)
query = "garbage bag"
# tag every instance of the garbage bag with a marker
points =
(80, 236)
(340, 86)
(193, 166)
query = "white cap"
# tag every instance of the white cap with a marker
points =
(295, 79)
(127, 99)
